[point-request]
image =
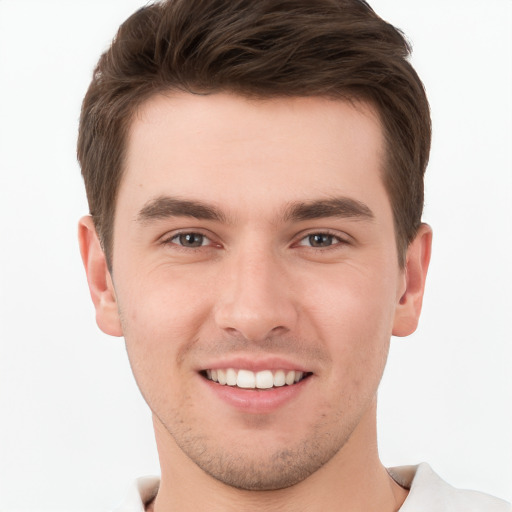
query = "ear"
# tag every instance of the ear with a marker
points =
(408, 309)
(99, 278)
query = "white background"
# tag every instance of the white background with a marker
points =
(73, 428)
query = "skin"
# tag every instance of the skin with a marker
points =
(256, 289)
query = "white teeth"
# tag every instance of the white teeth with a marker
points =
(279, 378)
(221, 376)
(247, 379)
(289, 379)
(230, 377)
(264, 379)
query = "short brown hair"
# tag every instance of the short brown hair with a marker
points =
(262, 48)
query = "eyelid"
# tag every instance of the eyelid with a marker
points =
(341, 238)
(168, 238)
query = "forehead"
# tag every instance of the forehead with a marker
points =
(236, 152)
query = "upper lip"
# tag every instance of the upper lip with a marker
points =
(254, 363)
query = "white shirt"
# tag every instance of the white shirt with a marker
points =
(427, 493)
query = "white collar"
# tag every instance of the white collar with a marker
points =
(427, 493)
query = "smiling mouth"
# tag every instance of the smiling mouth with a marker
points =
(247, 379)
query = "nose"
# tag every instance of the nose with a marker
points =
(256, 298)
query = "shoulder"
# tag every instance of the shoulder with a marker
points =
(429, 493)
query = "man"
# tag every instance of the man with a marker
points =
(254, 172)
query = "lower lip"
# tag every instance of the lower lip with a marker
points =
(257, 401)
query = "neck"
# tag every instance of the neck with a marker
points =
(353, 480)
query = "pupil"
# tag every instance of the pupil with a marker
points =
(191, 240)
(320, 240)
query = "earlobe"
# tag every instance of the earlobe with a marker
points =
(408, 309)
(99, 278)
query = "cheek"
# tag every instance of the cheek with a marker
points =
(354, 318)
(164, 306)
(353, 304)
(161, 320)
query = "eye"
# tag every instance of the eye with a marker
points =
(190, 240)
(320, 240)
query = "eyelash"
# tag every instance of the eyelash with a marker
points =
(170, 240)
(335, 240)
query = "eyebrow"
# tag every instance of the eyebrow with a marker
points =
(344, 207)
(165, 206)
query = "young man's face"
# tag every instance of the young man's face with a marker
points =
(256, 236)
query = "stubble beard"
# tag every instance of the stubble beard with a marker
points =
(249, 468)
